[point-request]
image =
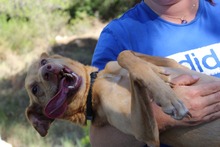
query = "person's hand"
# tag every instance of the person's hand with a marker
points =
(202, 100)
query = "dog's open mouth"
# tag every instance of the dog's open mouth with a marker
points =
(68, 85)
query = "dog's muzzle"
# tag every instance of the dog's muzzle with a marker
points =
(68, 85)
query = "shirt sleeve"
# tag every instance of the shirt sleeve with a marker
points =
(107, 49)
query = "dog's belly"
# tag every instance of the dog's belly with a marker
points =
(202, 136)
(115, 103)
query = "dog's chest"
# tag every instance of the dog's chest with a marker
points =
(113, 93)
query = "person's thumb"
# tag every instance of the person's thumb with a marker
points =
(184, 80)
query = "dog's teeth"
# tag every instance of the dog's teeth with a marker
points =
(68, 75)
(71, 87)
(73, 74)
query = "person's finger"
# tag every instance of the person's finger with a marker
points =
(213, 114)
(212, 109)
(211, 99)
(203, 90)
(184, 80)
(211, 117)
(209, 88)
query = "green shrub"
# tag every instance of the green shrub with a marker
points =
(25, 24)
(105, 10)
(17, 33)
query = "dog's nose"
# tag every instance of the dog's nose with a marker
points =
(48, 70)
(49, 67)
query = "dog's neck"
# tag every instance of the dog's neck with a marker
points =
(77, 109)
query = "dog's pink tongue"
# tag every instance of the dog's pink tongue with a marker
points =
(57, 105)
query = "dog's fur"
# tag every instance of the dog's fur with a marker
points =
(121, 96)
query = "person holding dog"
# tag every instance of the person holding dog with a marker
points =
(185, 30)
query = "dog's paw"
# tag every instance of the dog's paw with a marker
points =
(176, 109)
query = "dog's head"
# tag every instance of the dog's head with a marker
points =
(52, 83)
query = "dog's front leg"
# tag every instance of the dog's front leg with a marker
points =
(156, 88)
(143, 122)
(146, 86)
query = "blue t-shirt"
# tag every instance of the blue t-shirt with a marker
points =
(195, 44)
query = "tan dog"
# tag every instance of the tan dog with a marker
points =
(122, 93)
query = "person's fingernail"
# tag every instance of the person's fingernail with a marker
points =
(195, 77)
(166, 72)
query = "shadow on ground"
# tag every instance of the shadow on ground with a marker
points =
(78, 49)
(13, 100)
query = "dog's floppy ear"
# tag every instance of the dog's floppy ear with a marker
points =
(38, 120)
(44, 55)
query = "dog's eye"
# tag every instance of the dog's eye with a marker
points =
(43, 62)
(35, 89)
